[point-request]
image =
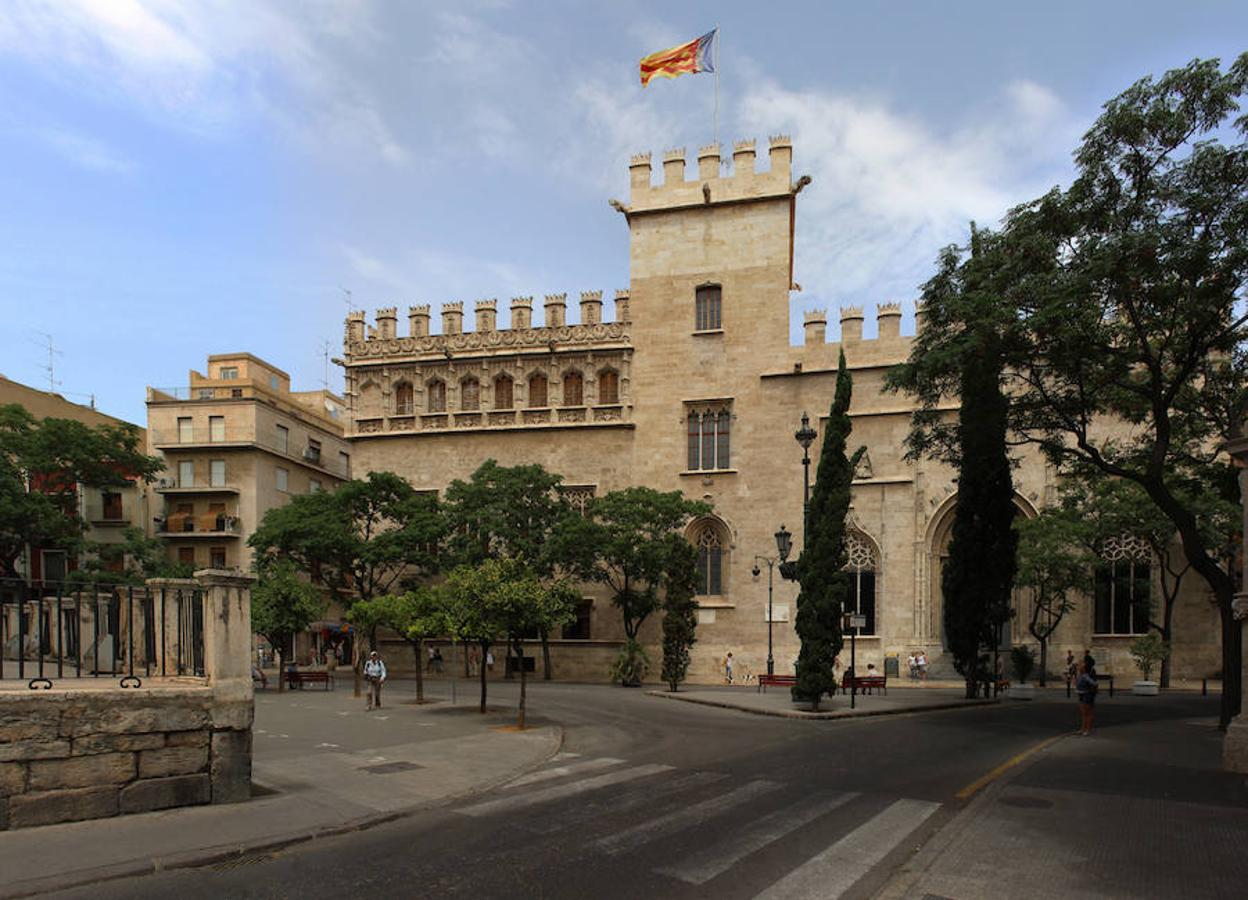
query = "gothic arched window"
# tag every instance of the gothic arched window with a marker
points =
(712, 543)
(537, 389)
(435, 392)
(403, 399)
(861, 566)
(573, 389)
(469, 394)
(503, 392)
(608, 386)
(1123, 586)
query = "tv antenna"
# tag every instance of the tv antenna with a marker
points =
(325, 357)
(50, 368)
(347, 298)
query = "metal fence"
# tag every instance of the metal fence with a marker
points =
(52, 631)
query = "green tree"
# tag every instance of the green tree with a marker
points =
(680, 615)
(501, 600)
(962, 351)
(509, 512)
(821, 567)
(628, 540)
(1055, 563)
(412, 615)
(282, 605)
(42, 464)
(361, 540)
(132, 560)
(1128, 292)
(1109, 508)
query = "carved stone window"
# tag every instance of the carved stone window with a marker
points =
(469, 394)
(573, 389)
(707, 535)
(404, 399)
(1123, 586)
(537, 390)
(577, 495)
(608, 386)
(709, 433)
(862, 566)
(503, 392)
(708, 308)
(435, 391)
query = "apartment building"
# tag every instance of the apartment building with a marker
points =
(237, 442)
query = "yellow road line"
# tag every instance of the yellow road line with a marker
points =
(1000, 770)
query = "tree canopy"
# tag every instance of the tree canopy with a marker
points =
(1054, 561)
(282, 605)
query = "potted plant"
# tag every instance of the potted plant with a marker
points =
(1148, 651)
(631, 665)
(1023, 658)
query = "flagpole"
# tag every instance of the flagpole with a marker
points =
(715, 126)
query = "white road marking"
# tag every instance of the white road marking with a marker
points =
(560, 791)
(589, 765)
(632, 838)
(623, 801)
(834, 871)
(565, 755)
(705, 864)
(334, 746)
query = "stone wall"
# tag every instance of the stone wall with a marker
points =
(67, 755)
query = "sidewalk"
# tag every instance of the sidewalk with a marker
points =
(1139, 809)
(776, 701)
(322, 765)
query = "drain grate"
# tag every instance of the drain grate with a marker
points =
(390, 768)
(238, 862)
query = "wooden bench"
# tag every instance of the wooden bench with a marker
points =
(299, 679)
(864, 684)
(1102, 676)
(776, 681)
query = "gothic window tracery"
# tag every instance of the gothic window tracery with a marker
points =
(435, 391)
(469, 394)
(709, 432)
(573, 389)
(537, 390)
(404, 399)
(1123, 586)
(608, 386)
(503, 392)
(708, 536)
(862, 565)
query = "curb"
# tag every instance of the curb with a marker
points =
(206, 856)
(841, 714)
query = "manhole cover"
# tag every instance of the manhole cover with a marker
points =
(1026, 802)
(390, 768)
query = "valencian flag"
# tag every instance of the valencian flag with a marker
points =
(687, 59)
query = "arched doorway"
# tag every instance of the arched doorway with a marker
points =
(939, 533)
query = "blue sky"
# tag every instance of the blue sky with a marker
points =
(181, 178)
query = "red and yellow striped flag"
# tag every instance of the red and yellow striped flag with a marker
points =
(687, 59)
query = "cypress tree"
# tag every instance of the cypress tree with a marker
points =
(680, 619)
(979, 576)
(821, 567)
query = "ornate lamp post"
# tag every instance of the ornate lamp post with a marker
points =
(784, 543)
(805, 436)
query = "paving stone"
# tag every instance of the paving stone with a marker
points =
(47, 807)
(163, 793)
(82, 771)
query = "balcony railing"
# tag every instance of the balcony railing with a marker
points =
(190, 523)
(206, 438)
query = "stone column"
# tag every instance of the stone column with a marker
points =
(1235, 745)
(227, 663)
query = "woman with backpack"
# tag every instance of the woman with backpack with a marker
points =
(1085, 688)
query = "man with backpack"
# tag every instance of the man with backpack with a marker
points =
(375, 675)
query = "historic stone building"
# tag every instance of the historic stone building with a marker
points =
(695, 387)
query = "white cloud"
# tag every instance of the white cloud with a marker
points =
(85, 151)
(889, 189)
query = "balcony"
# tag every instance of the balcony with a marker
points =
(201, 438)
(205, 525)
(170, 487)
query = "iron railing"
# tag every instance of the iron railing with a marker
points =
(56, 630)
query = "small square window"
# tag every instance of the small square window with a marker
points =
(216, 428)
(283, 479)
(216, 473)
(708, 308)
(229, 373)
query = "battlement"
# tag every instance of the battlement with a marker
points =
(887, 319)
(712, 185)
(358, 335)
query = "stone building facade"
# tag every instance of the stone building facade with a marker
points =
(694, 386)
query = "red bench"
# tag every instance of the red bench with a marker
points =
(299, 679)
(776, 681)
(865, 683)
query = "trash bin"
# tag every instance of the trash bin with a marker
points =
(892, 665)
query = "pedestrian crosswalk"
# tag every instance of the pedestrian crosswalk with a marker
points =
(692, 827)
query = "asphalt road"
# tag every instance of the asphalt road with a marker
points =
(658, 799)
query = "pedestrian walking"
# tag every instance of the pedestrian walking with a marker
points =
(922, 664)
(728, 668)
(1085, 687)
(474, 661)
(912, 662)
(437, 660)
(489, 660)
(375, 674)
(1072, 671)
(432, 660)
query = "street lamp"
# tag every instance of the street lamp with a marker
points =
(784, 543)
(771, 563)
(805, 436)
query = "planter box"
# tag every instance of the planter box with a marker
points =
(1023, 691)
(1144, 689)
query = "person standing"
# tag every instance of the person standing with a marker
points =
(922, 663)
(728, 668)
(912, 662)
(1085, 687)
(375, 674)
(1072, 671)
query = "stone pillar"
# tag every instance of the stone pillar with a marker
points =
(556, 307)
(851, 324)
(487, 311)
(743, 160)
(1235, 744)
(674, 166)
(816, 327)
(888, 320)
(418, 320)
(622, 311)
(227, 663)
(708, 162)
(453, 317)
(521, 313)
(387, 323)
(591, 307)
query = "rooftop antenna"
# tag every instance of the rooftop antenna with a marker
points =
(347, 298)
(325, 357)
(50, 368)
